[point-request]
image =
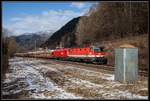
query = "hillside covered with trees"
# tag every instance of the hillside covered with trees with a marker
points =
(108, 24)
(113, 20)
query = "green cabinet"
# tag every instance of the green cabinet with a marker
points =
(126, 65)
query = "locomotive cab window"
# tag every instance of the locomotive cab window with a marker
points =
(97, 49)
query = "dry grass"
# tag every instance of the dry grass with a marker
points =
(60, 78)
(94, 79)
(143, 92)
(141, 42)
(134, 88)
(49, 93)
(84, 91)
(57, 77)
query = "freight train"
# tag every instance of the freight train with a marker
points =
(86, 54)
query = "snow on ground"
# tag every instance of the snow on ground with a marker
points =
(108, 94)
(37, 83)
(28, 78)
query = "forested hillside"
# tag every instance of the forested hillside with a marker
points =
(113, 20)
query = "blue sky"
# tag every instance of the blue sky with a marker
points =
(22, 17)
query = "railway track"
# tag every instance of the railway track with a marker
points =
(104, 67)
(93, 65)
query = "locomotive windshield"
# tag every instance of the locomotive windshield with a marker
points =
(97, 49)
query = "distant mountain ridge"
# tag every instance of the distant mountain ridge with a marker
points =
(31, 41)
(27, 41)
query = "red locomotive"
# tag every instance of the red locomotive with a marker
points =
(88, 54)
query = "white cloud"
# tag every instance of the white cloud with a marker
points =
(47, 20)
(78, 4)
(83, 5)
